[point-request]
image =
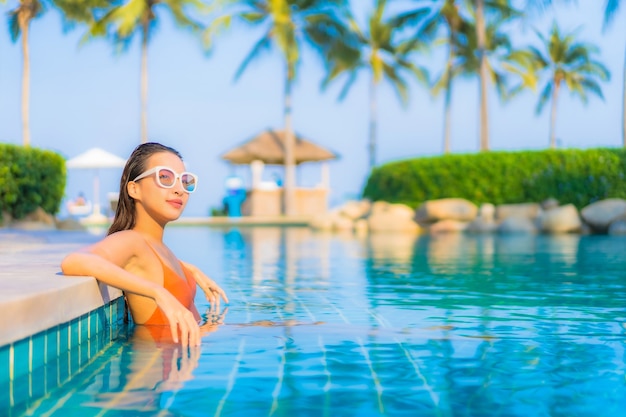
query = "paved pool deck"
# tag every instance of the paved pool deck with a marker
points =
(34, 295)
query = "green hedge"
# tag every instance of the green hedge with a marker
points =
(30, 178)
(572, 176)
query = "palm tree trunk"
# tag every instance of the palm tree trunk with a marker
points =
(624, 105)
(448, 100)
(144, 84)
(25, 83)
(555, 96)
(289, 189)
(373, 124)
(483, 75)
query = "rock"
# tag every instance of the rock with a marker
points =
(564, 219)
(322, 222)
(487, 212)
(69, 224)
(601, 214)
(523, 210)
(392, 218)
(446, 209)
(360, 227)
(549, 203)
(40, 216)
(355, 209)
(480, 225)
(617, 227)
(517, 225)
(447, 226)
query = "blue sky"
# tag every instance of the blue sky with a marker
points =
(88, 96)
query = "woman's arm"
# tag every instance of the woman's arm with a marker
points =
(106, 261)
(212, 291)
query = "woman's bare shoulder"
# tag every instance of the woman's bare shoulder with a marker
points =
(120, 246)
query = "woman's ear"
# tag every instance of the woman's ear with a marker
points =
(133, 189)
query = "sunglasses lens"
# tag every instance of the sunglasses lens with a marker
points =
(166, 178)
(188, 181)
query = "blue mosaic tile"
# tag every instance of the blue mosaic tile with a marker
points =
(64, 367)
(51, 374)
(93, 324)
(52, 344)
(38, 382)
(4, 364)
(21, 390)
(64, 337)
(38, 350)
(30, 368)
(74, 360)
(5, 396)
(74, 336)
(83, 328)
(21, 358)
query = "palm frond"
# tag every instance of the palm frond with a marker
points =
(544, 97)
(262, 44)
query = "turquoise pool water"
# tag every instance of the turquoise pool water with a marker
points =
(336, 325)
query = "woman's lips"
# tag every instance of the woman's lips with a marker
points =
(178, 203)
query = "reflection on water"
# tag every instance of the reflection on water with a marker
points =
(324, 324)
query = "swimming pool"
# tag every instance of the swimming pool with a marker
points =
(387, 325)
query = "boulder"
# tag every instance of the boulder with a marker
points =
(517, 225)
(447, 226)
(69, 224)
(618, 227)
(549, 204)
(480, 225)
(446, 209)
(601, 214)
(385, 217)
(355, 209)
(523, 210)
(563, 219)
(487, 212)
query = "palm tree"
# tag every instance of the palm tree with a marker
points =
(122, 19)
(430, 19)
(288, 25)
(502, 11)
(563, 61)
(376, 51)
(19, 24)
(610, 10)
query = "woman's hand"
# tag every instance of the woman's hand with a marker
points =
(179, 317)
(212, 291)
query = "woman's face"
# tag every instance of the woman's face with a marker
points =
(158, 200)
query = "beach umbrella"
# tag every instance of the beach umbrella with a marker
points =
(96, 159)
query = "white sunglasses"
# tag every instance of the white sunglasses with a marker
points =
(166, 178)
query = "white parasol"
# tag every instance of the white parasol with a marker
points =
(96, 158)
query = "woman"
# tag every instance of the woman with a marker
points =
(159, 288)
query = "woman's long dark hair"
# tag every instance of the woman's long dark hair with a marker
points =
(125, 214)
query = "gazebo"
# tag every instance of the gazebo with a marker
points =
(266, 198)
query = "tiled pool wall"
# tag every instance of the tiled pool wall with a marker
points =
(30, 368)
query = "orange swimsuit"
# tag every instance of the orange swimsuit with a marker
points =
(184, 289)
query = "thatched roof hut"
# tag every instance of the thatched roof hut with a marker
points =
(269, 147)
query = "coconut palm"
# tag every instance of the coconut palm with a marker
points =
(287, 26)
(431, 18)
(375, 50)
(562, 61)
(610, 10)
(19, 25)
(122, 19)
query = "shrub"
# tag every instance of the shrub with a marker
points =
(572, 176)
(30, 178)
